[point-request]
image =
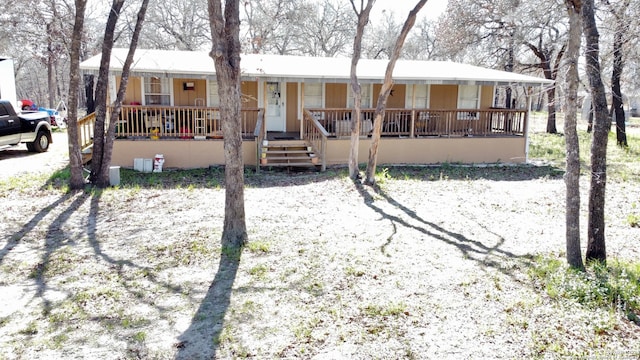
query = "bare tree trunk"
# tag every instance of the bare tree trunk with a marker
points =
(509, 68)
(75, 157)
(572, 175)
(102, 180)
(363, 19)
(102, 86)
(88, 92)
(596, 249)
(551, 107)
(51, 76)
(618, 66)
(225, 52)
(384, 93)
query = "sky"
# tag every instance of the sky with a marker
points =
(432, 9)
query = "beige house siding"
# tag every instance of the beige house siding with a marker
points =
(178, 154)
(486, 97)
(335, 96)
(249, 90)
(293, 123)
(434, 151)
(182, 97)
(133, 94)
(396, 100)
(444, 97)
(187, 154)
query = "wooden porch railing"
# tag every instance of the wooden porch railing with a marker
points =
(259, 135)
(427, 122)
(315, 133)
(85, 130)
(178, 122)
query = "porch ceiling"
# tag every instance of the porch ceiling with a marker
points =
(198, 64)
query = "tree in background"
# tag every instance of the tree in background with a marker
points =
(271, 26)
(423, 44)
(326, 30)
(362, 12)
(225, 52)
(39, 45)
(381, 39)
(596, 249)
(572, 174)
(176, 25)
(621, 22)
(492, 33)
(548, 47)
(385, 90)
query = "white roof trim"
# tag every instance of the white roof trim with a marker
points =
(198, 64)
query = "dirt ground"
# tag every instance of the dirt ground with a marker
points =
(425, 268)
(17, 160)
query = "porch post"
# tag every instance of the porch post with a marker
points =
(301, 87)
(528, 92)
(412, 134)
(265, 105)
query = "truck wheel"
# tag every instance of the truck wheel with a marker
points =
(30, 147)
(41, 144)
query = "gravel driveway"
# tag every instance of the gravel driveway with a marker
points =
(17, 160)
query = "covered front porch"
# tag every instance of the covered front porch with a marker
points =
(189, 136)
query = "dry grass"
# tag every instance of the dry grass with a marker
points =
(435, 263)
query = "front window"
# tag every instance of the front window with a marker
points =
(468, 98)
(313, 95)
(214, 97)
(365, 93)
(421, 97)
(157, 91)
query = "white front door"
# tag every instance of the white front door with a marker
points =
(276, 114)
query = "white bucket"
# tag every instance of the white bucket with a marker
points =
(158, 161)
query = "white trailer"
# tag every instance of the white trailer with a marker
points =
(8, 82)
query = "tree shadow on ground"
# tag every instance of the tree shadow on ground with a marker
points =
(55, 260)
(486, 256)
(123, 267)
(202, 339)
(54, 240)
(15, 238)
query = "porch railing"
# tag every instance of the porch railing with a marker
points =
(426, 122)
(85, 130)
(259, 135)
(316, 134)
(179, 122)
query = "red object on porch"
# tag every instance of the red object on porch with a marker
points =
(184, 131)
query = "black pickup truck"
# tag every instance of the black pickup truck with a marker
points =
(32, 128)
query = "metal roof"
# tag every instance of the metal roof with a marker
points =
(198, 64)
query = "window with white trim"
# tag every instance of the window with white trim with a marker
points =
(421, 96)
(214, 97)
(157, 91)
(365, 93)
(468, 98)
(313, 95)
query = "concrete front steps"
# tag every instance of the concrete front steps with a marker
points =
(287, 153)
